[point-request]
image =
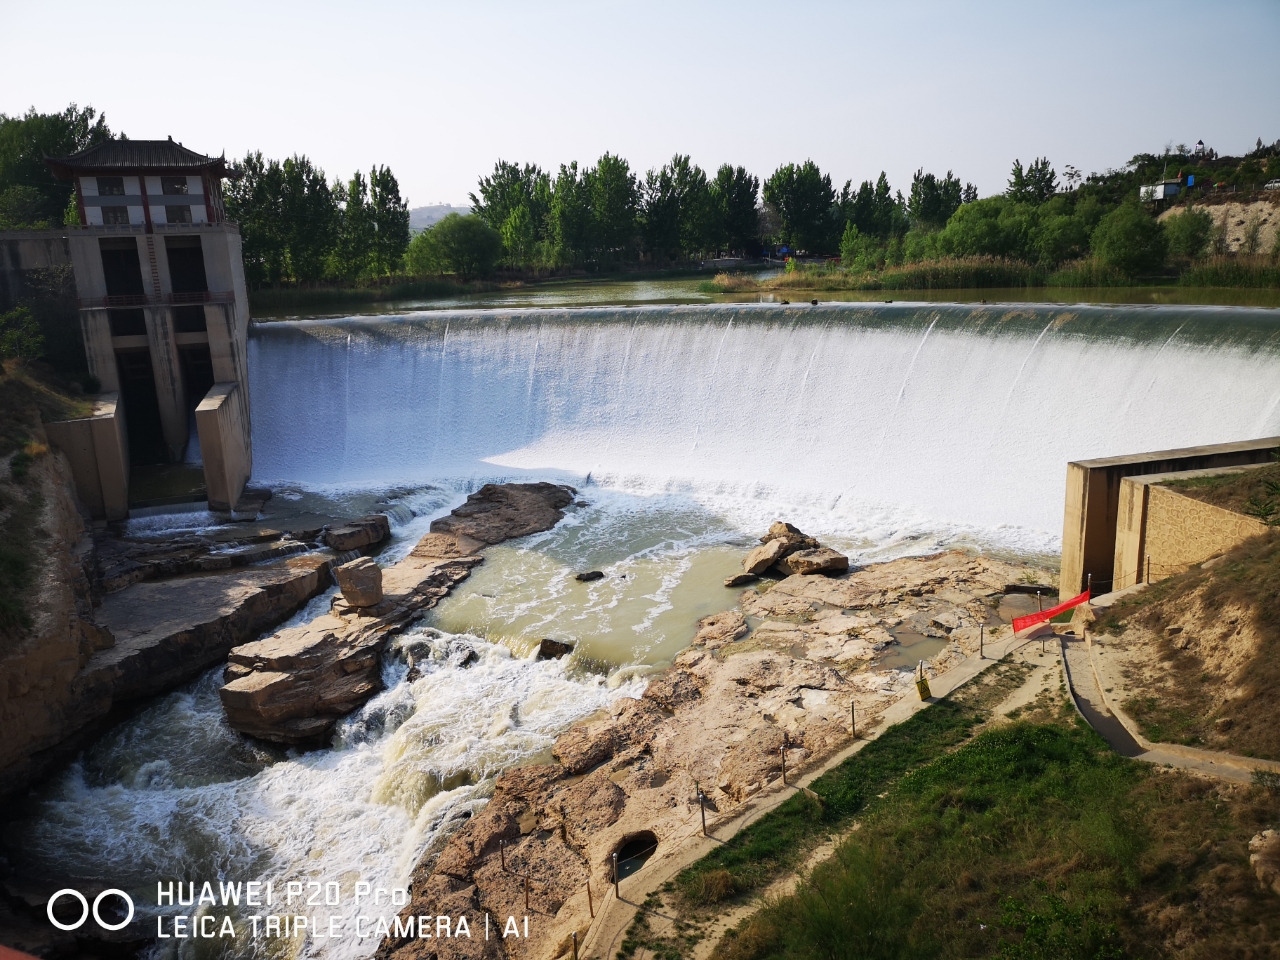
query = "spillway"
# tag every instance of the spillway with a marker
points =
(957, 414)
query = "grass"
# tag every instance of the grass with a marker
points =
(1088, 273)
(1240, 592)
(1233, 271)
(1245, 492)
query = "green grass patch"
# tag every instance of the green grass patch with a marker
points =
(1233, 271)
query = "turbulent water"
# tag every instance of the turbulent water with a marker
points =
(883, 429)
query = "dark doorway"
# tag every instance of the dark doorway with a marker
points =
(186, 264)
(189, 320)
(120, 267)
(141, 409)
(128, 323)
(197, 371)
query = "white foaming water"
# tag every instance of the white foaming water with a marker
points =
(863, 421)
(175, 794)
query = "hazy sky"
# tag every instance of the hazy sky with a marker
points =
(440, 91)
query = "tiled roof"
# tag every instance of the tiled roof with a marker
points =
(133, 155)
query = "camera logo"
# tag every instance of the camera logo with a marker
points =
(84, 906)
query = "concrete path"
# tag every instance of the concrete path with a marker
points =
(614, 915)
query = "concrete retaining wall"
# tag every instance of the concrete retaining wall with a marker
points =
(97, 449)
(1160, 532)
(1092, 507)
(224, 445)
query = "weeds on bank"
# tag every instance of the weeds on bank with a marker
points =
(1233, 271)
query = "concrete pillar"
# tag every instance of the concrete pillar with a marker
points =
(171, 390)
(224, 445)
(95, 327)
(97, 449)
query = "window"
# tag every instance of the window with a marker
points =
(111, 187)
(177, 214)
(115, 215)
(173, 186)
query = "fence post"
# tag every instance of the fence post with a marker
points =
(575, 945)
(782, 752)
(526, 893)
(615, 877)
(982, 635)
(702, 808)
(591, 907)
(502, 847)
(1148, 568)
(853, 718)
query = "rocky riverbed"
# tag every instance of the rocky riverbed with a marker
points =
(773, 679)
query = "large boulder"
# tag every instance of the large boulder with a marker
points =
(498, 512)
(358, 534)
(764, 556)
(360, 582)
(820, 560)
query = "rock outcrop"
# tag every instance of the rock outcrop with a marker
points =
(358, 534)
(293, 686)
(786, 551)
(719, 718)
(360, 582)
(1264, 857)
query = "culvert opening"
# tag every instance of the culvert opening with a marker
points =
(635, 852)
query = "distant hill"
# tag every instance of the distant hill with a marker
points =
(422, 217)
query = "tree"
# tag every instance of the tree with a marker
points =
(1060, 238)
(733, 202)
(24, 143)
(353, 253)
(1188, 232)
(510, 187)
(1036, 184)
(20, 335)
(933, 201)
(969, 194)
(390, 216)
(466, 246)
(676, 213)
(1130, 240)
(253, 199)
(804, 199)
(569, 221)
(308, 218)
(614, 197)
(874, 211)
(518, 236)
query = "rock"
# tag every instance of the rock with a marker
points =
(1223, 724)
(740, 579)
(360, 582)
(764, 556)
(807, 562)
(589, 576)
(498, 512)
(358, 534)
(550, 649)
(447, 546)
(1264, 857)
(720, 628)
(780, 529)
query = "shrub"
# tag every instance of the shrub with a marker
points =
(1130, 240)
(466, 246)
(1188, 232)
(1229, 271)
(1087, 272)
(20, 335)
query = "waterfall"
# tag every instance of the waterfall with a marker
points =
(964, 414)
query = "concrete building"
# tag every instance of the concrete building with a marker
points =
(164, 315)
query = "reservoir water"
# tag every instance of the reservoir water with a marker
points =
(883, 429)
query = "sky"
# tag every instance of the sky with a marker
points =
(440, 91)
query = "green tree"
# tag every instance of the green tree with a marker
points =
(676, 212)
(1037, 184)
(976, 230)
(874, 210)
(736, 215)
(519, 238)
(1130, 240)
(1188, 232)
(466, 246)
(1059, 238)
(24, 143)
(253, 199)
(20, 335)
(308, 218)
(615, 203)
(353, 254)
(510, 187)
(569, 221)
(933, 200)
(805, 200)
(390, 216)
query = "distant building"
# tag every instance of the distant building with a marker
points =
(164, 314)
(1164, 190)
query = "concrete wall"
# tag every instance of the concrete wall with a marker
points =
(224, 445)
(25, 251)
(97, 449)
(1092, 504)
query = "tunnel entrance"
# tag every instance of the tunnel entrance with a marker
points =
(141, 408)
(635, 851)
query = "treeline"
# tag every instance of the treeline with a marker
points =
(607, 215)
(297, 227)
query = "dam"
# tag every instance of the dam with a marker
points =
(887, 429)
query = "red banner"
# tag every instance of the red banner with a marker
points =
(1031, 619)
